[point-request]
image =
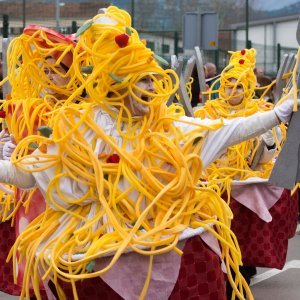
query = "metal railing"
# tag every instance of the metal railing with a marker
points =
(167, 43)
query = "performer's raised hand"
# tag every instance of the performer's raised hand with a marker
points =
(268, 138)
(4, 137)
(284, 110)
(9, 148)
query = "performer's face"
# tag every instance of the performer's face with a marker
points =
(235, 94)
(139, 108)
(56, 75)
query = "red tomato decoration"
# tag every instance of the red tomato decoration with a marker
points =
(122, 40)
(113, 159)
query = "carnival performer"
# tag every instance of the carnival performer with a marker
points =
(122, 172)
(258, 207)
(39, 64)
(237, 90)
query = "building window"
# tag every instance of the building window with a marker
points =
(64, 30)
(165, 48)
(15, 30)
(151, 45)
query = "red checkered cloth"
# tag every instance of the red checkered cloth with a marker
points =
(200, 278)
(200, 275)
(23, 218)
(7, 239)
(265, 244)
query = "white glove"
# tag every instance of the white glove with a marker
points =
(284, 110)
(8, 149)
(10, 174)
(268, 138)
(4, 137)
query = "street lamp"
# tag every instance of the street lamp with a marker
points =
(57, 13)
(247, 24)
(132, 13)
(24, 13)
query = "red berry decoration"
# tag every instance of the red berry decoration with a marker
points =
(243, 52)
(113, 159)
(122, 40)
(241, 61)
(2, 114)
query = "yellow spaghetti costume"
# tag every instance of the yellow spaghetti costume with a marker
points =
(114, 181)
(30, 104)
(236, 163)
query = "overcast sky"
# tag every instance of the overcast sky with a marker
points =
(274, 4)
(259, 4)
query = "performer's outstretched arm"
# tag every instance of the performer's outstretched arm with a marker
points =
(234, 132)
(215, 144)
(10, 174)
(238, 130)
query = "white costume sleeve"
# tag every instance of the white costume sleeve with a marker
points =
(233, 132)
(215, 143)
(10, 174)
(68, 187)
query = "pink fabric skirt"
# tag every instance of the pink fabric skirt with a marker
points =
(22, 219)
(8, 236)
(200, 278)
(200, 275)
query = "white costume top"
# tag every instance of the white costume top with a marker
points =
(214, 145)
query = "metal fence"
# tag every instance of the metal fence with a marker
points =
(167, 43)
(268, 57)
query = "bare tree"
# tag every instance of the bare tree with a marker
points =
(234, 11)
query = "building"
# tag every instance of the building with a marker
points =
(269, 37)
(160, 23)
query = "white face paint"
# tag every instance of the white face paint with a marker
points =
(54, 76)
(138, 108)
(235, 95)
